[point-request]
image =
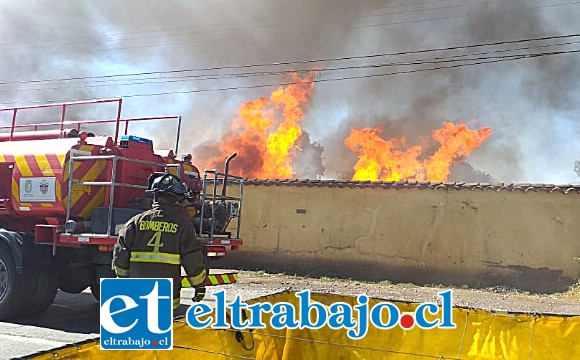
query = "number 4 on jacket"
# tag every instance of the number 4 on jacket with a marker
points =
(155, 241)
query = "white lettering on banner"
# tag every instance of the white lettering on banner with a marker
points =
(153, 310)
(107, 315)
(38, 189)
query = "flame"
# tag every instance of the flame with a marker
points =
(387, 160)
(266, 134)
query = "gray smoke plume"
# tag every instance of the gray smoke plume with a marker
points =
(464, 172)
(529, 104)
(309, 161)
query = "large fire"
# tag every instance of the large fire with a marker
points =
(266, 134)
(388, 160)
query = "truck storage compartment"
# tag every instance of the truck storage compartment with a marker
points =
(100, 219)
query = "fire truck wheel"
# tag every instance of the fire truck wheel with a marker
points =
(71, 284)
(96, 291)
(14, 288)
(103, 271)
(44, 294)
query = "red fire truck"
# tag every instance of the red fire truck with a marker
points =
(65, 192)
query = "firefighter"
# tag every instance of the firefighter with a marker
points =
(159, 241)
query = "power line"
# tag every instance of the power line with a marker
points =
(311, 61)
(352, 77)
(416, 62)
(204, 77)
(525, 56)
(436, 60)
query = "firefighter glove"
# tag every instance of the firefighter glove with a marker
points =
(122, 273)
(199, 294)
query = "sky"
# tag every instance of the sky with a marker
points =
(530, 104)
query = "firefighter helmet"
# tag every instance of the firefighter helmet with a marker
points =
(166, 184)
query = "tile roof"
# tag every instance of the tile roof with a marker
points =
(398, 185)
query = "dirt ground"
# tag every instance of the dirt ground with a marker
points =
(255, 284)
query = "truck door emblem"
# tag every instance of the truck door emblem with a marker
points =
(28, 186)
(43, 187)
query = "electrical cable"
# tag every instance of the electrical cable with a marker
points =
(511, 58)
(309, 61)
(161, 80)
(317, 71)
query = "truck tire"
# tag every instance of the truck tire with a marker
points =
(45, 293)
(15, 289)
(71, 285)
(103, 272)
(96, 291)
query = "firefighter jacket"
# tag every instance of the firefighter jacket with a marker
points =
(156, 244)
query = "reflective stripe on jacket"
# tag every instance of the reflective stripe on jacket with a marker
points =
(155, 257)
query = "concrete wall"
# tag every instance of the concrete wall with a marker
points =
(419, 233)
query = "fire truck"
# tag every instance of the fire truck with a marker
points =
(65, 192)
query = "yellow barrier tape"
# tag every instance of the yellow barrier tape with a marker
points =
(213, 279)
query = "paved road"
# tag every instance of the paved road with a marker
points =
(70, 319)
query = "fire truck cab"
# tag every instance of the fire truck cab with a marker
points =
(65, 193)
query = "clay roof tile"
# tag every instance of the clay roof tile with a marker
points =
(422, 185)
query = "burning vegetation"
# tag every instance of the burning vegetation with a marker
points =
(388, 160)
(267, 132)
(267, 135)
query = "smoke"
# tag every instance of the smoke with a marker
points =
(309, 162)
(529, 104)
(37, 44)
(464, 172)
